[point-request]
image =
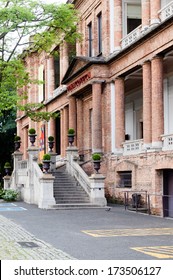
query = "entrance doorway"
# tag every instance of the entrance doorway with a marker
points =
(58, 136)
(168, 192)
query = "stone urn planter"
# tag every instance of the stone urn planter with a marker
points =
(46, 162)
(32, 136)
(71, 135)
(96, 162)
(17, 143)
(51, 143)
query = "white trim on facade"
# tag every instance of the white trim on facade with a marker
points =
(113, 124)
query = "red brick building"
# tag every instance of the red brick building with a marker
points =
(117, 93)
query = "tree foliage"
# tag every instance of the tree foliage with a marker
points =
(45, 25)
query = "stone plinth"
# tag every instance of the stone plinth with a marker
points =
(6, 182)
(72, 154)
(97, 190)
(53, 161)
(46, 198)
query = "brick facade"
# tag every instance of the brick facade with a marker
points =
(117, 100)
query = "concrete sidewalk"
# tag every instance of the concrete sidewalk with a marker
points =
(18, 244)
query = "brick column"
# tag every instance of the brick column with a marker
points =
(64, 60)
(145, 14)
(155, 6)
(97, 117)
(80, 124)
(65, 128)
(50, 76)
(52, 128)
(72, 112)
(118, 24)
(119, 113)
(25, 143)
(72, 115)
(62, 133)
(147, 103)
(157, 101)
(52, 132)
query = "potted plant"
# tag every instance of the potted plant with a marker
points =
(96, 160)
(71, 134)
(51, 143)
(17, 142)
(7, 168)
(32, 135)
(46, 162)
(40, 165)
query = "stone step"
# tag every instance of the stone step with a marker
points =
(70, 191)
(67, 190)
(71, 201)
(66, 187)
(73, 206)
(65, 182)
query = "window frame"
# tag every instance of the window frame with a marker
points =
(124, 12)
(99, 30)
(122, 179)
(90, 39)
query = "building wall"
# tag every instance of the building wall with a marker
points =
(119, 93)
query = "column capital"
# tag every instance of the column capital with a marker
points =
(157, 56)
(119, 78)
(148, 61)
(98, 82)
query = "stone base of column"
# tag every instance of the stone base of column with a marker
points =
(157, 146)
(117, 49)
(154, 22)
(145, 28)
(118, 152)
(97, 195)
(147, 146)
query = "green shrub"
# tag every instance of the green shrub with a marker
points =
(7, 165)
(32, 131)
(10, 195)
(40, 165)
(46, 157)
(71, 131)
(17, 138)
(96, 157)
(50, 138)
(2, 192)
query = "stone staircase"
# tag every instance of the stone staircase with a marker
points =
(68, 193)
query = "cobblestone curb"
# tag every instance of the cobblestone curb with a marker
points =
(12, 234)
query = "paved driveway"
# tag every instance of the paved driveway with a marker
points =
(96, 234)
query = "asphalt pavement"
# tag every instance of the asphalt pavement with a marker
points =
(84, 234)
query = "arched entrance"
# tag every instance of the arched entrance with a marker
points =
(168, 192)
